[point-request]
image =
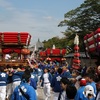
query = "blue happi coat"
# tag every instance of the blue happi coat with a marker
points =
(28, 90)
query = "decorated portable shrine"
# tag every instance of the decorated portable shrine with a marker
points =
(53, 54)
(92, 44)
(14, 48)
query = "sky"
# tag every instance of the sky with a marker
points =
(38, 17)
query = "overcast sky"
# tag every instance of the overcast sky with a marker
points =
(38, 17)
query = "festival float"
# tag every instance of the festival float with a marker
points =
(14, 48)
(53, 54)
(92, 44)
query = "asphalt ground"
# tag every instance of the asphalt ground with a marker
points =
(41, 94)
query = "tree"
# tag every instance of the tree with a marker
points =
(59, 43)
(82, 20)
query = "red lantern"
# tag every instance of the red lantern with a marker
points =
(76, 47)
(76, 67)
(97, 31)
(77, 54)
(25, 51)
(76, 61)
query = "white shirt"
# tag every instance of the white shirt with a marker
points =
(7, 56)
(46, 77)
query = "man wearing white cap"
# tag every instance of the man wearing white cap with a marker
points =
(89, 93)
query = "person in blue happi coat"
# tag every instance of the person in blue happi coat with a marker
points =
(66, 73)
(33, 80)
(3, 83)
(24, 91)
(55, 84)
(16, 76)
(79, 94)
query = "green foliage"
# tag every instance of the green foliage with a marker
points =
(82, 20)
(59, 43)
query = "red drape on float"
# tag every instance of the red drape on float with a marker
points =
(76, 60)
(48, 52)
(42, 53)
(17, 50)
(7, 50)
(11, 50)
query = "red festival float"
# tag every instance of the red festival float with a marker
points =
(53, 54)
(92, 44)
(14, 47)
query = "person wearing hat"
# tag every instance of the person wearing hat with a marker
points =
(24, 91)
(79, 94)
(89, 93)
(91, 82)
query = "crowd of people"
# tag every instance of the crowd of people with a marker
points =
(65, 83)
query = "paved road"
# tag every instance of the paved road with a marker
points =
(41, 94)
